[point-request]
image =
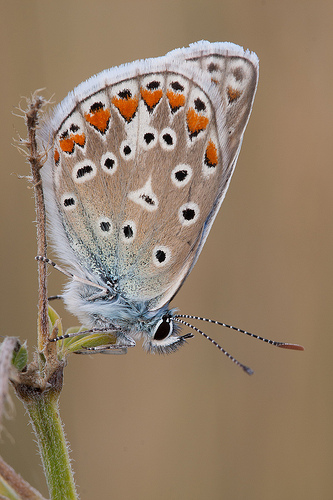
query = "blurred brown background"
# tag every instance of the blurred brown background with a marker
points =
(192, 425)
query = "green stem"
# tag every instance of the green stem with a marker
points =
(43, 411)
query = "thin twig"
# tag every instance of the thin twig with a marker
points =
(18, 484)
(8, 346)
(35, 160)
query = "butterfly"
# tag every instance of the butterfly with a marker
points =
(140, 160)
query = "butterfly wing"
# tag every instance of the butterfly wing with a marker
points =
(142, 156)
(234, 74)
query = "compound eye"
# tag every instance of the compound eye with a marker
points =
(163, 329)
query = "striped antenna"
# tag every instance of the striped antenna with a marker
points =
(180, 318)
(234, 360)
(283, 345)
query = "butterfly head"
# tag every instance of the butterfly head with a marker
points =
(163, 337)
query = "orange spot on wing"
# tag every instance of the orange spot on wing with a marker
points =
(233, 94)
(67, 145)
(99, 119)
(176, 100)
(195, 122)
(211, 157)
(151, 98)
(126, 107)
(56, 156)
(79, 139)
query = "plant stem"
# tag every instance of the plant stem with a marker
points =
(45, 418)
(36, 164)
(40, 383)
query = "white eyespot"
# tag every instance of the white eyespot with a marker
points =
(109, 163)
(68, 201)
(84, 171)
(128, 231)
(215, 66)
(152, 82)
(168, 139)
(127, 150)
(181, 175)
(239, 74)
(177, 83)
(148, 138)
(145, 197)
(238, 82)
(104, 225)
(125, 90)
(198, 100)
(161, 255)
(188, 213)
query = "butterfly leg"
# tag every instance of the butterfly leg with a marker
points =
(105, 349)
(40, 258)
(54, 297)
(109, 348)
(123, 342)
(109, 330)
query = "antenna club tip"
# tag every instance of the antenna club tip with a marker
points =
(248, 370)
(294, 347)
